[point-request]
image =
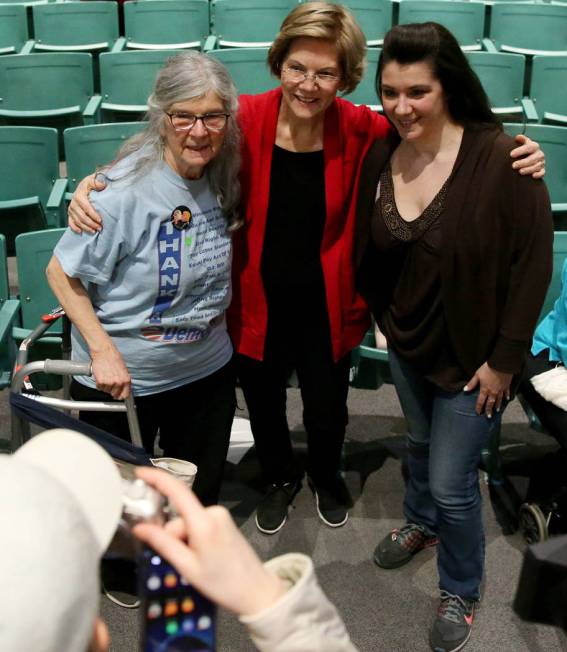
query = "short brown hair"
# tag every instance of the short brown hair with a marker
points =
(326, 21)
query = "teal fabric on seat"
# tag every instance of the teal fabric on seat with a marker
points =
(502, 77)
(247, 23)
(365, 92)
(50, 90)
(548, 89)
(33, 253)
(374, 17)
(127, 79)
(30, 191)
(75, 26)
(166, 24)
(13, 29)
(529, 28)
(88, 148)
(464, 19)
(9, 309)
(553, 141)
(247, 67)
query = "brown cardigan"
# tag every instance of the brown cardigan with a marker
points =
(496, 263)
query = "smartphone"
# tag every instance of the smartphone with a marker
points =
(175, 616)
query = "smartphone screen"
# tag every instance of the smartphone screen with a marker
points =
(175, 616)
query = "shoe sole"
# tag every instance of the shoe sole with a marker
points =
(325, 521)
(265, 531)
(453, 649)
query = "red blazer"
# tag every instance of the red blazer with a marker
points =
(348, 133)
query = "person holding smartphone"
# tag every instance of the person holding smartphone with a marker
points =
(57, 522)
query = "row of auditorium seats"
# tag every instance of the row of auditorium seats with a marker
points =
(57, 89)
(523, 27)
(32, 196)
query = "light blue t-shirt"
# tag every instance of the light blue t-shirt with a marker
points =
(159, 291)
(552, 331)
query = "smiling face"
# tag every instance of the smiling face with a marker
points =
(188, 152)
(309, 98)
(413, 99)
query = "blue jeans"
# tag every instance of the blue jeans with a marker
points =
(445, 440)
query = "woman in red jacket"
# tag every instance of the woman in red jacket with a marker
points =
(294, 299)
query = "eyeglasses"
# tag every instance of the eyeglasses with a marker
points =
(186, 121)
(297, 75)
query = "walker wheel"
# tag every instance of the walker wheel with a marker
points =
(533, 524)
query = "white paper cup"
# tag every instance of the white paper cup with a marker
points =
(181, 469)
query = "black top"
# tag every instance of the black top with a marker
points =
(291, 258)
(414, 322)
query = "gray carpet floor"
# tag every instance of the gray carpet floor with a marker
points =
(384, 610)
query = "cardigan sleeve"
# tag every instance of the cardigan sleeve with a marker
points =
(529, 207)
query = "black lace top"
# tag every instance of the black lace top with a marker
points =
(414, 322)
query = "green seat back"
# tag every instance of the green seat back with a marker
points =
(8, 311)
(365, 92)
(31, 164)
(13, 28)
(529, 28)
(127, 79)
(548, 88)
(90, 147)
(242, 23)
(166, 24)
(373, 16)
(464, 19)
(247, 67)
(89, 26)
(33, 253)
(502, 77)
(554, 289)
(553, 141)
(46, 81)
(33, 167)
(4, 280)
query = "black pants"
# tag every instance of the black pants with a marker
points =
(193, 422)
(298, 337)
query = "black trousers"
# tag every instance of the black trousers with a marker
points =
(298, 337)
(193, 422)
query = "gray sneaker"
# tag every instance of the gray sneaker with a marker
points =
(271, 513)
(453, 623)
(398, 547)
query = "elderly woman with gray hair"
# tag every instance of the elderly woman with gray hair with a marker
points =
(147, 295)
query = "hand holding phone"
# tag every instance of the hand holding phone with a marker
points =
(207, 548)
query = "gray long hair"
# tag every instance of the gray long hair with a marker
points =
(186, 76)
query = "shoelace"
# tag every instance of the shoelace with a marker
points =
(406, 532)
(452, 607)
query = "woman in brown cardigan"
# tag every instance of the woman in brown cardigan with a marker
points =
(457, 258)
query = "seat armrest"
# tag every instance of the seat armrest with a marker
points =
(489, 46)
(57, 194)
(210, 43)
(529, 110)
(8, 313)
(91, 111)
(119, 44)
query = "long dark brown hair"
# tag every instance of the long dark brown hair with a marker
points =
(432, 43)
